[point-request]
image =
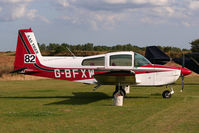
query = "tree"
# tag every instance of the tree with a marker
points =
(167, 49)
(195, 46)
(52, 46)
(42, 47)
(88, 47)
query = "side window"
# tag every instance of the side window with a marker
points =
(93, 62)
(140, 60)
(121, 60)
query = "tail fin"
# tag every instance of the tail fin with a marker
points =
(27, 51)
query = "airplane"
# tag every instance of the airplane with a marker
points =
(122, 69)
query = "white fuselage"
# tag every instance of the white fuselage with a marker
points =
(145, 76)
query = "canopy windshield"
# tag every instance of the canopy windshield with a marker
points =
(140, 60)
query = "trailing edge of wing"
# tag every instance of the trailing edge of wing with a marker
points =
(116, 77)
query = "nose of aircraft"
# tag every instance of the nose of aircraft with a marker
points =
(185, 71)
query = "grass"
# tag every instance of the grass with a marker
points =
(60, 106)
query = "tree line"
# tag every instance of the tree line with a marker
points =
(90, 49)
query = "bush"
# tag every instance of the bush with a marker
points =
(5, 70)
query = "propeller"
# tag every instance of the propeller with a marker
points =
(182, 76)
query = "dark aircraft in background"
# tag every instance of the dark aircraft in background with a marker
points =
(156, 56)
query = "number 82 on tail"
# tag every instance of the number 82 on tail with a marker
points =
(29, 58)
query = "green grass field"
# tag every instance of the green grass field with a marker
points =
(65, 107)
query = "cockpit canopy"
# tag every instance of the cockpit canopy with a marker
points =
(140, 60)
(123, 59)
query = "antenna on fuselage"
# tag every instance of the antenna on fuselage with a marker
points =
(71, 52)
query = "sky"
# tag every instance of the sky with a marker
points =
(102, 22)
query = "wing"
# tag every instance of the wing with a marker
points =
(116, 77)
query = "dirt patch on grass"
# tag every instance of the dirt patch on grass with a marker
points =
(19, 77)
(6, 64)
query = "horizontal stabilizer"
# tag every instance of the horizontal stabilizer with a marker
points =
(21, 70)
(24, 71)
(29, 71)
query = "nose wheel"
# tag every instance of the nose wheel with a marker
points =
(167, 93)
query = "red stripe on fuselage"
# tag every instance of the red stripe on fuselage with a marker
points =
(72, 74)
(161, 66)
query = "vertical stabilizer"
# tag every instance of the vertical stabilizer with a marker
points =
(27, 51)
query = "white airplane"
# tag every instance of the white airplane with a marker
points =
(121, 69)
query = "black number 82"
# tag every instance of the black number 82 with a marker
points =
(29, 58)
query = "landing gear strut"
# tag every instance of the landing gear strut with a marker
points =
(168, 93)
(119, 90)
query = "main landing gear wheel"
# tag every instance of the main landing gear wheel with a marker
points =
(166, 94)
(119, 90)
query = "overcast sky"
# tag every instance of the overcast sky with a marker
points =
(102, 22)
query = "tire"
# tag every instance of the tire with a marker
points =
(166, 94)
(121, 91)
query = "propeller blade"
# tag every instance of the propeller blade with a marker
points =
(182, 82)
(182, 76)
(183, 60)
